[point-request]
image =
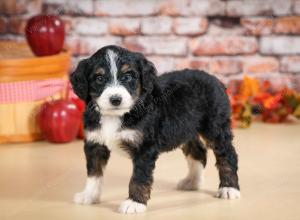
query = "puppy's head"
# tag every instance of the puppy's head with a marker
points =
(114, 78)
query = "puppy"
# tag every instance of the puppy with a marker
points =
(130, 108)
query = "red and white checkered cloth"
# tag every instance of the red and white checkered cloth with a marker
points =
(15, 92)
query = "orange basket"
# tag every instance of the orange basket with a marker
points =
(26, 82)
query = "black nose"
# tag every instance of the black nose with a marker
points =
(115, 100)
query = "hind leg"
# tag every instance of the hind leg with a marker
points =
(195, 154)
(220, 140)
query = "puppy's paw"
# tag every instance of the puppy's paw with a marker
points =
(189, 184)
(131, 207)
(228, 193)
(86, 198)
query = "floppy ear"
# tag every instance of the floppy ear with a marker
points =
(79, 80)
(148, 77)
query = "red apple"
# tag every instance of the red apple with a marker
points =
(59, 121)
(45, 34)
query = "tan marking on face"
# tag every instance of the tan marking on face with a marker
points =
(100, 71)
(125, 68)
(139, 90)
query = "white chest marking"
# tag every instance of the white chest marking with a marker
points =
(108, 134)
(111, 135)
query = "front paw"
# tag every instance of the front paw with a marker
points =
(228, 193)
(131, 207)
(86, 198)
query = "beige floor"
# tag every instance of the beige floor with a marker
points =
(37, 181)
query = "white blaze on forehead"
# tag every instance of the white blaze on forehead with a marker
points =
(111, 58)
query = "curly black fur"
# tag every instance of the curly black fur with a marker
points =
(171, 110)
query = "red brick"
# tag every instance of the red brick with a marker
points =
(260, 65)
(156, 25)
(192, 7)
(217, 65)
(163, 64)
(280, 45)
(200, 64)
(125, 8)
(16, 25)
(90, 26)
(225, 66)
(290, 64)
(158, 45)
(89, 45)
(257, 26)
(125, 26)
(190, 26)
(70, 7)
(223, 45)
(18, 7)
(194, 63)
(3, 25)
(12, 7)
(258, 7)
(172, 8)
(287, 25)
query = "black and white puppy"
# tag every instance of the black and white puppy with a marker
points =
(130, 108)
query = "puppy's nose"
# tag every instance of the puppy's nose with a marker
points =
(115, 100)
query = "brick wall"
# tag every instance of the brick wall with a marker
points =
(228, 38)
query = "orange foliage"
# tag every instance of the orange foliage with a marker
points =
(254, 97)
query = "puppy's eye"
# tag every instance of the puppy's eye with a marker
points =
(100, 79)
(127, 78)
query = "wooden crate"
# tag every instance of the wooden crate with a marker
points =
(18, 64)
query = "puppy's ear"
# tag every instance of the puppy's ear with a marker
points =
(79, 80)
(148, 76)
